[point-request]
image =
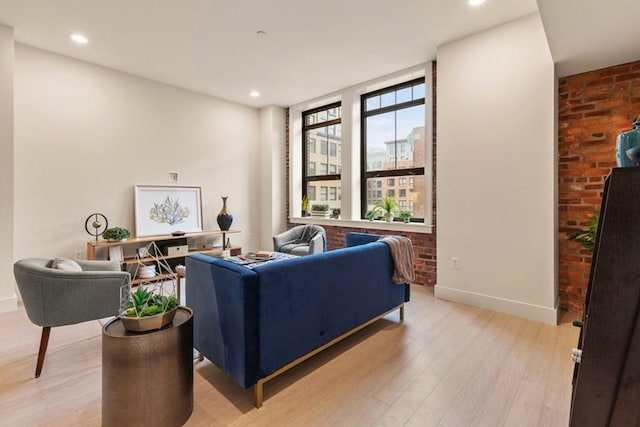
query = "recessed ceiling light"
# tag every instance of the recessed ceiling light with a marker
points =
(475, 2)
(79, 38)
(254, 94)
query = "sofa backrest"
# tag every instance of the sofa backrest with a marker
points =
(308, 301)
(355, 239)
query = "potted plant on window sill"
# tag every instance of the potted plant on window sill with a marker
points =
(388, 207)
(405, 216)
(305, 206)
(372, 214)
(320, 210)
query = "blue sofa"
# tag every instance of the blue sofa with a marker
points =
(255, 323)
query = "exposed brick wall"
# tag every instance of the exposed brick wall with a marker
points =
(424, 245)
(593, 109)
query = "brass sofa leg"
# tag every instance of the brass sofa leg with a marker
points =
(44, 342)
(258, 390)
(402, 313)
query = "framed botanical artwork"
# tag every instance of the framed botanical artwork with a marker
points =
(165, 209)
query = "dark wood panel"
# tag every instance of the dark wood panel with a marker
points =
(602, 379)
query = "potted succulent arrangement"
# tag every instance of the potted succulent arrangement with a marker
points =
(405, 216)
(147, 309)
(321, 210)
(387, 206)
(335, 213)
(116, 234)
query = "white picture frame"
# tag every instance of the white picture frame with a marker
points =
(116, 253)
(165, 209)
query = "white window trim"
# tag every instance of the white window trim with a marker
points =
(350, 173)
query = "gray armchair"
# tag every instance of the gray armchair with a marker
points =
(55, 297)
(301, 240)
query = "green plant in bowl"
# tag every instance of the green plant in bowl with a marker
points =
(146, 310)
(144, 302)
(116, 234)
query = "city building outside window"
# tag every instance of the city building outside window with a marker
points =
(323, 193)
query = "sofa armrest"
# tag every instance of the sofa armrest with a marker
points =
(285, 237)
(224, 299)
(317, 244)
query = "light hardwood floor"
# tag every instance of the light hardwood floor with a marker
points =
(446, 365)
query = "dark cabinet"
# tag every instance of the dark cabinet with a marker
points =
(606, 381)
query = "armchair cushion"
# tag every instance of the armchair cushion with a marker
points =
(65, 264)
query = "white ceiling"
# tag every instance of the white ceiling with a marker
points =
(312, 47)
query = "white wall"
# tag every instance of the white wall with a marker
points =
(496, 171)
(85, 135)
(8, 298)
(272, 200)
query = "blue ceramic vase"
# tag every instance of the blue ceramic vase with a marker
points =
(224, 217)
(628, 147)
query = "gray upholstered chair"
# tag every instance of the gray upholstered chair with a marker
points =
(301, 240)
(57, 297)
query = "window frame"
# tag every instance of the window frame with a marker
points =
(387, 173)
(306, 179)
(350, 192)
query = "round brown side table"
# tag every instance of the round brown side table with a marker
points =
(147, 377)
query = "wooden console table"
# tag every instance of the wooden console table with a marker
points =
(132, 244)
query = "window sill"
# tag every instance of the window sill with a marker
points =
(365, 224)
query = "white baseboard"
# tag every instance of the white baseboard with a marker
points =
(8, 304)
(537, 313)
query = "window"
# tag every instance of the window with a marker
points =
(322, 125)
(387, 145)
(323, 193)
(311, 145)
(311, 192)
(393, 119)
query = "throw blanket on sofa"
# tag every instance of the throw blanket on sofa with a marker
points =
(402, 254)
